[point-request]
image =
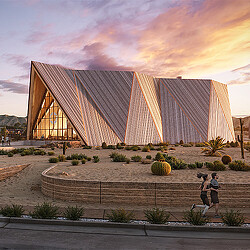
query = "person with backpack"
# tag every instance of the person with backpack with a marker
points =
(205, 187)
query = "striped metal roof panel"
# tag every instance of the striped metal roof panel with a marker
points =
(111, 93)
(141, 128)
(176, 125)
(193, 98)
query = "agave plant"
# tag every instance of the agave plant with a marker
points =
(214, 146)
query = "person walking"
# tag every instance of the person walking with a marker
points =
(214, 187)
(8, 140)
(2, 140)
(205, 186)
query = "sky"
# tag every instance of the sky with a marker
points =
(207, 39)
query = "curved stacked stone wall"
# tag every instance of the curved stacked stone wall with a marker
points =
(139, 193)
(6, 172)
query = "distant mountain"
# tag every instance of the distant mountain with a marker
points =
(11, 120)
(246, 120)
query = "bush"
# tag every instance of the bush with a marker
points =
(22, 154)
(112, 155)
(181, 142)
(148, 157)
(120, 158)
(119, 146)
(88, 158)
(39, 152)
(74, 162)
(209, 165)
(239, 166)
(68, 157)
(83, 161)
(104, 145)
(195, 218)
(12, 211)
(96, 158)
(111, 147)
(199, 144)
(3, 152)
(127, 160)
(10, 154)
(44, 211)
(217, 166)
(226, 159)
(161, 168)
(136, 158)
(73, 213)
(51, 153)
(135, 148)
(52, 148)
(233, 218)
(192, 166)
(61, 158)
(159, 157)
(86, 147)
(175, 163)
(199, 164)
(156, 216)
(53, 160)
(234, 144)
(186, 145)
(120, 215)
(146, 149)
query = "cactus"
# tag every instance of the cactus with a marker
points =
(64, 148)
(226, 159)
(240, 138)
(161, 168)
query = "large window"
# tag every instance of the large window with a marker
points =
(51, 123)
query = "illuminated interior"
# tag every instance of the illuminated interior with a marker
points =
(51, 122)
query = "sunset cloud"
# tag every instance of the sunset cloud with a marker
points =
(243, 74)
(13, 87)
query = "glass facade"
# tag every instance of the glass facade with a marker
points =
(51, 123)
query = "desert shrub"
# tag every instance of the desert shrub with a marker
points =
(97, 148)
(86, 147)
(44, 211)
(83, 161)
(120, 215)
(96, 158)
(192, 166)
(181, 142)
(123, 144)
(239, 166)
(176, 145)
(136, 158)
(104, 145)
(186, 145)
(172, 148)
(146, 149)
(10, 154)
(68, 157)
(233, 218)
(73, 213)
(161, 168)
(214, 146)
(3, 152)
(217, 166)
(175, 163)
(52, 148)
(120, 158)
(128, 148)
(12, 211)
(61, 158)
(199, 164)
(88, 158)
(40, 152)
(74, 162)
(163, 143)
(119, 146)
(156, 215)
(22, 154)
(226, 159)
(199, 144)
(127, 160)
(195, 218)
(53, 160)
(51, 153)
(111, 147)
(234, 144)
(148, 157)
(159, 157)
(151, 147)
(135, 148)
(191, 143)
(112, 155)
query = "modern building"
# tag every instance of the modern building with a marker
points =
(124, 106)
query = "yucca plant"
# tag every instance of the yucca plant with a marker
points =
(233, 218)
(44, 211)
(120, 215)
(195, 218)
(156, 215)
(214, 146)
(12, 211)
(73, 213)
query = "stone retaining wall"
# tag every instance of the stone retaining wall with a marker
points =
(139, 193)
(6, 172)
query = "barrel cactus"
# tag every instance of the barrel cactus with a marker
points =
(161, 168)
(226, 159)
